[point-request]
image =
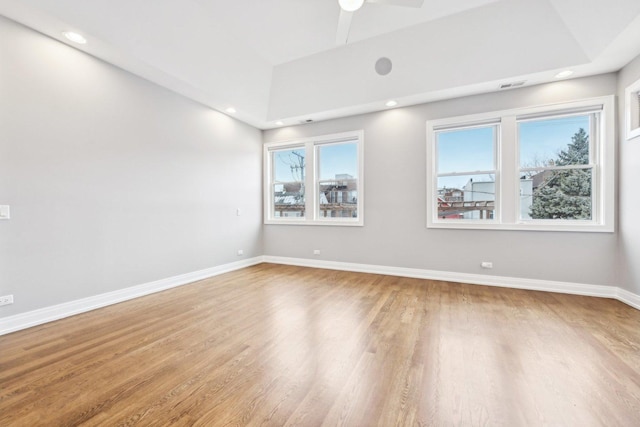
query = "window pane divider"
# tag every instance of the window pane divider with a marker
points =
(489, 172)
(557, 168)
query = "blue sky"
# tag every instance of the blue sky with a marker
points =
(283, 160)
(466, 150)
(543, 139)
(471, 150)
(338, 159)
(334, 159)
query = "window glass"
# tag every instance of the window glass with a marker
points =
(555, 171)
(471, 149)
(555, 141)
(466, 197)
(463, 193)
(560, 194)
(338, 180)
(288, 182)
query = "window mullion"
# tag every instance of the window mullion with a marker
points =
(508, 165)
(311, 198)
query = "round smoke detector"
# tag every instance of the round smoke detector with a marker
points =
(383, 66)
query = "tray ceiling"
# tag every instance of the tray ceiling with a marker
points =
(277, 59)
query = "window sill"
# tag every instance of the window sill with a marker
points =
(339, 223)
(528, 226)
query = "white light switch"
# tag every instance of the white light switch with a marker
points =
(5, 212)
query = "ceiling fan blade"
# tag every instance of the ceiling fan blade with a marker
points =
(344, 24)
(403, 3)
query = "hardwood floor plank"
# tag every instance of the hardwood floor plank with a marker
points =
(274, 345)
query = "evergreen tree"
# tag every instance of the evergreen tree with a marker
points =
(577, 152)
(566, 194)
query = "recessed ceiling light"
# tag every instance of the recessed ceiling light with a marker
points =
(350, 5)
(391, 103)
(74, 37)
(563, 74)
(231, 110)
(279, 123)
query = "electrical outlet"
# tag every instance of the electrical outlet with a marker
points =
(316, 251)
(240, 252)
(486, 264)
(6, 299)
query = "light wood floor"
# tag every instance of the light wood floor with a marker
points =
(278, 345)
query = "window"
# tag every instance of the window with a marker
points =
(556, 168)
(539, 168)
(288, 182)
(466, 159)
(316, 181)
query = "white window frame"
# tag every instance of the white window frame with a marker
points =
(496, 163)
(507, 215)
(311, 180)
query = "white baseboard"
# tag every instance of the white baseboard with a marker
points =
(60, 311)
(628, 298)
(475, 279)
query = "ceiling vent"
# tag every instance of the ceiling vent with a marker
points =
(511, 85)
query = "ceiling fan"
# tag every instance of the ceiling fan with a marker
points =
(348, 7)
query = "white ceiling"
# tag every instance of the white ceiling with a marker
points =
(284, 30)
(277, 59)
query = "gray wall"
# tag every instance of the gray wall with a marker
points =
(629, 196)
(112, 180)
(395, 233)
